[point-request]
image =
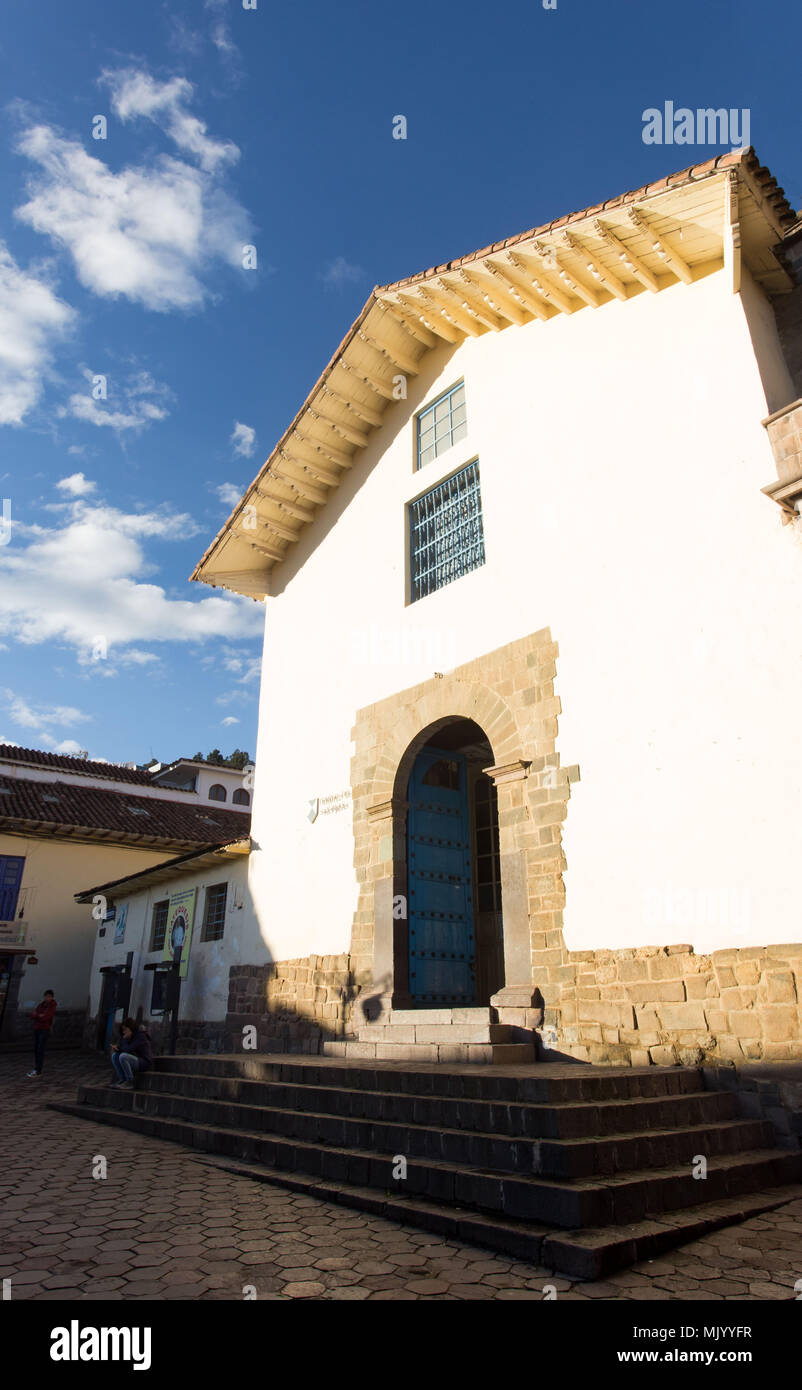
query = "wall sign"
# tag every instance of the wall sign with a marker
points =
(328, 805)
(178, 936)
(119, 924)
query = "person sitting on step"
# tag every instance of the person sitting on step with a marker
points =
(132, 1054)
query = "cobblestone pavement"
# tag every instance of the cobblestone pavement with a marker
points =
(163, 1225)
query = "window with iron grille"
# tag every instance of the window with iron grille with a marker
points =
(158, 925)
(441, 424)
(446, 533)
(214, 912)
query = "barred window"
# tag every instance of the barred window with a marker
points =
(214, 912)
(158, 925)
(446, 533)
(441, 424)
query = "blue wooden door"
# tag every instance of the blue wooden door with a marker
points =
(442, 947)
(11, 866)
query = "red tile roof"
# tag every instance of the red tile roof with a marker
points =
(113, 772)
(68, 809)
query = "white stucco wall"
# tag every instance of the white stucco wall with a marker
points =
(204, 992)
(621, 457)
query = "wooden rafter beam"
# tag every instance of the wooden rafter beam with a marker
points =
(397, 358)
(408, 321)
(536, 280)
(628, 259)
(515, 275)
(494, 294)
(326, 451)
(432, 318)
(549, 253)
(472, 300)
(659, 244)
(436, 314)
(272, 551)
(444, 298)
(304, 514)
(595, 267)
(373, 383)
(356, 408)
(346, 432)
(287, 533)
(299, 481)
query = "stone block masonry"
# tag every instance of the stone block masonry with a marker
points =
(295, 1005)
(665, 1004)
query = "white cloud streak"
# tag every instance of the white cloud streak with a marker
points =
(32, 319)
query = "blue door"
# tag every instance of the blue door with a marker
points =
(442, 947)
(11, 866)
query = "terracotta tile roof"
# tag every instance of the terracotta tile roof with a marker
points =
(113, 772)
(68, 809)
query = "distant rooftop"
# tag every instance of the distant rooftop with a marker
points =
(113, 772)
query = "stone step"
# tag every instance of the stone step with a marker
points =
(597, 1201)
(562, 1120)
(548, 1085)
(479, 1053)
(441, 1034)
(561, 1158)
(588, 1254)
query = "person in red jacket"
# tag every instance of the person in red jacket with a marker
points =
(42, 1016)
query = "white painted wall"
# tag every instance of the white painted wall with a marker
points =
(622, 457)
(204, 992)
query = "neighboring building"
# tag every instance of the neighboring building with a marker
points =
(211, 781)
(66, 822)
(206, 892)
(520, 544)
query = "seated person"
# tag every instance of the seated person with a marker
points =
(132, 1054)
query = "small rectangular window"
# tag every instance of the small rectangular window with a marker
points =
(158, 926)
(446, 533)
(214, 912)
(441, 424)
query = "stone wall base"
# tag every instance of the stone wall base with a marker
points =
(666, 1005)
(294, 1005)
(67, 1031)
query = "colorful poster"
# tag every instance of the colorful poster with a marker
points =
(178, 936)
(119, 924)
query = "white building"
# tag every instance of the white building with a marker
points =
(528, 728)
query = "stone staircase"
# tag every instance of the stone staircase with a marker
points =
(581, 1169)
(472, 1035)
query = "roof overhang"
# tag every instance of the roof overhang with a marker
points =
(207, 858)
(714, 214)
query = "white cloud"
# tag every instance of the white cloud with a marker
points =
(77, 449)
(69, 747)
(229, 719)
(32, 318)
(147, 233)
(244, 439)
(141, 400)
(229, 494)
(76, 485)
(135, 93)
(42, 719)
(85, 578)
(340, 272)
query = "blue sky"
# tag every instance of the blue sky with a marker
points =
(120, 258)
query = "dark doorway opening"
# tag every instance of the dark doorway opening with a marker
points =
(453, 871)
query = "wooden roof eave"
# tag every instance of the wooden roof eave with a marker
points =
(614, 250)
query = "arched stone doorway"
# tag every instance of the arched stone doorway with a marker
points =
(453, 876)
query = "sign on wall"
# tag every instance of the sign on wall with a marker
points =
(119, 924)
(178, 936)
(328, 805)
